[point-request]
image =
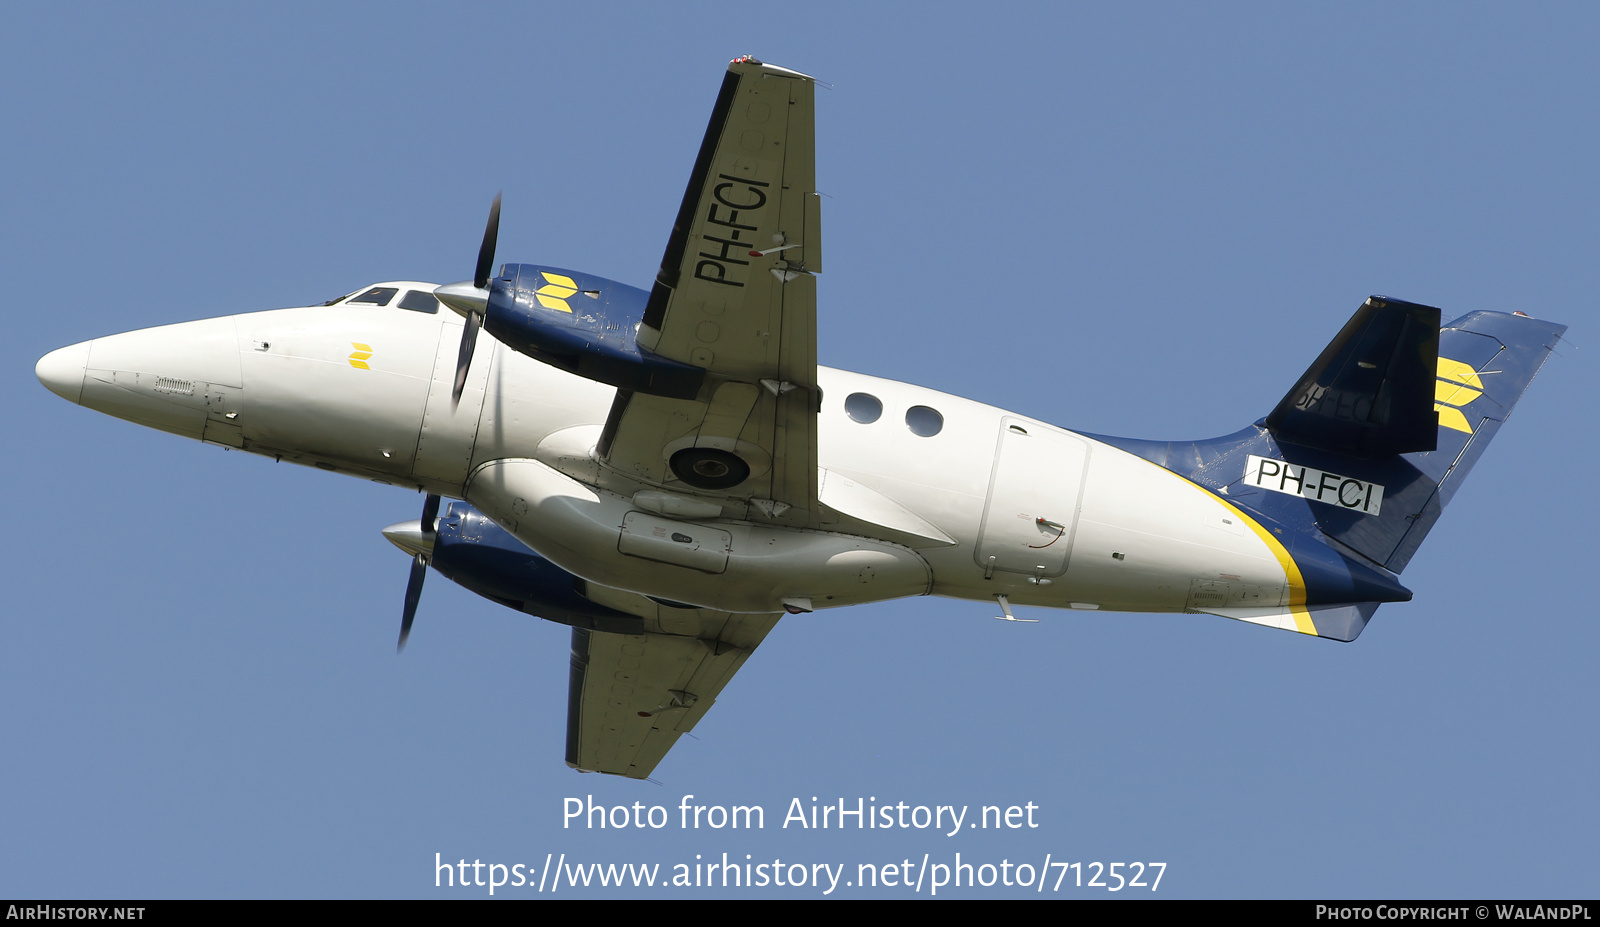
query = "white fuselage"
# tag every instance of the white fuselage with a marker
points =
(991, 503)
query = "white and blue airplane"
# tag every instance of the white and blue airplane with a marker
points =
(669, 471)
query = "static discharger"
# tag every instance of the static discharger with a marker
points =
(779, 245)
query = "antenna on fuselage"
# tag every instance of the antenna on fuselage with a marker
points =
(1005, 606)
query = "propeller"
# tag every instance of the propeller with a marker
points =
(415, 538)
(472, 300)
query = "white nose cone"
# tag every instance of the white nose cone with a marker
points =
(61, 371)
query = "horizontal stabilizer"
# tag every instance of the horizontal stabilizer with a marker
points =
(1370, 393)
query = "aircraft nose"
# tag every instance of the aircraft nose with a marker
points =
(184, 378)
(61, 371)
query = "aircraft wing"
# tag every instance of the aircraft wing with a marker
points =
(736, 296)
(632, 695)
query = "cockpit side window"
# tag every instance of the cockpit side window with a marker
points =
(420, 301)
(377, 296)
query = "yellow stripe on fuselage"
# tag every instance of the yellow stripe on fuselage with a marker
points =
(1291, 570)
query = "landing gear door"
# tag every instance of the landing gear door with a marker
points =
(1035, 491)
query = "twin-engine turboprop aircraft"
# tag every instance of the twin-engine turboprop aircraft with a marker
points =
(669, 471)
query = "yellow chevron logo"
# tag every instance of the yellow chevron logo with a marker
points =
(556, 289)
(1458, 384)
(359, 357)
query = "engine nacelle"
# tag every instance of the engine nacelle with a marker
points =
(474, 552)
(585, 325)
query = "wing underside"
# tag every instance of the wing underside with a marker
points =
(632, 695)
(735, 296)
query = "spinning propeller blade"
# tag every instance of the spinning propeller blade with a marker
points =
(417, 540)
(480, 280)
(491, 235)
(469, 340)
(419, 572)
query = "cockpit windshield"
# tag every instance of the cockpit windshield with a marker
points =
(377, 296)
(418, 301)
(414, 300)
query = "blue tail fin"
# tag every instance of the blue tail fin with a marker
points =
(1355, 465)
(1485, 362)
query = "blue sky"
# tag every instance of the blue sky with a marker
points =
(1143, 221)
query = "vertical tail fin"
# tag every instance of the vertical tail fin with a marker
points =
(1378, 435)
(1353, 468)
(1486, 361)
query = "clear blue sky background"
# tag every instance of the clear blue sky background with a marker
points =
(1142, 221)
